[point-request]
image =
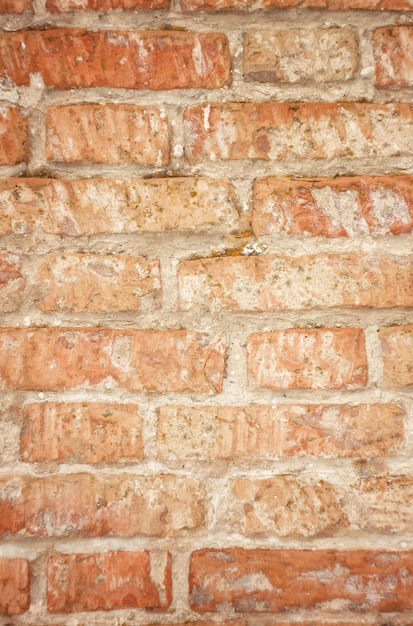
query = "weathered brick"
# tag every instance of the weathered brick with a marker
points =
(267, 283)
(87, 207)
(14, 136)
(397, 351)
(107, 133)
(333, 207)
(12, 283)
(259, 432)
(274, 131)
(273, 581)
(393, 54)
(81, 432)
(171, 360)
(109, 580)
(307, 359)
(289, 505)
(72, 58)
(105, 5)
(335, 5)
(91, 505)
(14, 586)
(96, 283)
(15, 6)
(291, 56)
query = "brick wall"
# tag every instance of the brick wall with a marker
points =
(206, 330)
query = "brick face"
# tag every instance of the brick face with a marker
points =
(284, 131)
(397, 347)
(393, 49)
(105, 5)
(68, 59)
(273, 581)
(85, 505)
(107, 134)
(307, 359)
(333, 207)
(14, 136)
(335, 5)
(89, 582)
(14, 586)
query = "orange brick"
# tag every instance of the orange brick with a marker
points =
(91, 505)
(292, 56)
(335, 5)
(289, 506)
(259, 432)
(92, 206)
(12, 283)
(171, 360)
(393, 54)
(15, 6)
(274, 131)
(268, 283)
(308, 359)
(397, 350)
(272, 581)
(81, 432)
(107, 133)
(333, 207)
(96, 283)
(109, 580)
(105, 5)
(14, 586)
(73, 58)
(14, 136)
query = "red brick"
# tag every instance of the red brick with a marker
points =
(288, 506)
(170, 360)
(268, 283)
(72, 58)
(14, 586)
(99, 283)
(91, 505)
(291, 56)
(107, 133)
(109, 580)
(333, 207)
(274, 131)
(393, 54)
(105, 5)
(397, 351)
(81, 432)
(14, 136)
(335, 5)
(12, 283)
(307, 359)
(92, 206)
(273, 581)
(259, 432)
(15, 6)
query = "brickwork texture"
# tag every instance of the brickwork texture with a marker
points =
(206, 312)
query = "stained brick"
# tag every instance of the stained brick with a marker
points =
(14, 586)
(393, 54)
(397, 350)
(14, 136)
(105, 5)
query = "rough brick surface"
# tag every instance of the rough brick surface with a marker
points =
(105, 5)
(259, 431)
(292, 56)
(68, 59)
(397, 349)
(307, 359)
(137, 360)
(393, 53)
(333, 207)
(272, 581)
(15, 6)
(14, 136)
(109, 580)
(95, 283)
(14, 586)
(335, 5)
(93, 506)
(81, 432)
(274, 131)
(12, 283)
(88, 207)
(107, 133)
(269, 283)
